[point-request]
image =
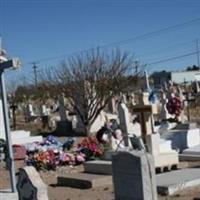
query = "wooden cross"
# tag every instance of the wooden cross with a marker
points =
(145, 112)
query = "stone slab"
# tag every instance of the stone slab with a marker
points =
(191, 154)
(166, 159)
(188, 157)
(183, 139)
(98, 167)
(17, 134)
(83, 180)
(20, 134)
(26, 140)
(193, 150)
(174, 181)
(7, 195)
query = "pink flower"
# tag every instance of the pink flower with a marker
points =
(80, 158)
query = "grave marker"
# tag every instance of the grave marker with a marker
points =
(62, 110)
(164, 115)
(30, 185)
(133, 176)
(112, 106)
(145, 112)
(151, 139)
(124, 121)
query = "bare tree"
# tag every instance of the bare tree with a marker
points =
(89, 81)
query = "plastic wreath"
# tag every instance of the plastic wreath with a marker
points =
(174, 106)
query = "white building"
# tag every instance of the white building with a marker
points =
(185, 76)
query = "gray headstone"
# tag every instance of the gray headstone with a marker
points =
(134, 176)
(30, 185)
(62, 109)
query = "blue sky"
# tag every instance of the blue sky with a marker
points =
(39, 29)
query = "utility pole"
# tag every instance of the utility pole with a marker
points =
(136, 66)
(35, 73)
(197, 49)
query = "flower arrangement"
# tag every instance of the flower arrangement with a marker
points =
(44, 160)
(91, 148)
(49, 155)
(174, 106)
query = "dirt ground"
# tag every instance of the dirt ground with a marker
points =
(101, 193)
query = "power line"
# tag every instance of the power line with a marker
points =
(173, 58)
(167, 48)
(137, 65)
(142, 36)
(149, 64)
(153, 32)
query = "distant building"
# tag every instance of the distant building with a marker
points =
(160, 78)
(185, 76)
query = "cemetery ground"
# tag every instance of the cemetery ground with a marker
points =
(100, 193)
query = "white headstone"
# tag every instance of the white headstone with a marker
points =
(182, 118)
(144, 98)
(164, 115)
(43, 110)
(98, 123)
(112, 106)
(30, 109)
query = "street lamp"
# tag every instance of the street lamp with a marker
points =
(8, 64)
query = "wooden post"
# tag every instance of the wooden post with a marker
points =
(143, 111)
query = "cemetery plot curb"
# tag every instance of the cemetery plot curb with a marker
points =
(174, 181)
(83, 180)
